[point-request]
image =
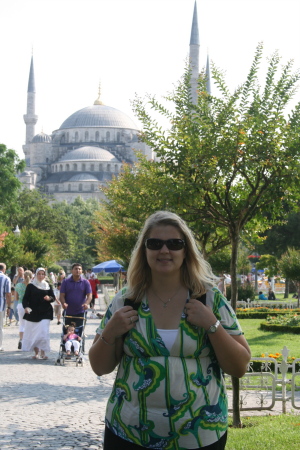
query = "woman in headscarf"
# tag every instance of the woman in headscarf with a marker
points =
(38, 313)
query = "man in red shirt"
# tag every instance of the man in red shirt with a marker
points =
(94, 282)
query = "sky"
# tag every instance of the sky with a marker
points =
(129, 46)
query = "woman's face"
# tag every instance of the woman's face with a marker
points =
(165, 261)
(40, 275)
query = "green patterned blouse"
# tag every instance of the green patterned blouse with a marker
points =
(165, 399)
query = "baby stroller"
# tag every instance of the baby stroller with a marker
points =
(79, 330)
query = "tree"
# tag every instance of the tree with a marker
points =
(10, 165)
(231, 157)
(289, 265)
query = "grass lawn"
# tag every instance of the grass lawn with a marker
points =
(280, 432)
(268, 342)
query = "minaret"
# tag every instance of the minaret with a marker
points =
(207, 75)
(194, 55)
(30, 118)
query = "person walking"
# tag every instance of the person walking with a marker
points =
(38, 312)
(20, 291)
(75, 296)
(172, 333)
(5, 299)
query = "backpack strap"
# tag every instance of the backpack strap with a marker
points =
(130, 302)
(201, 299)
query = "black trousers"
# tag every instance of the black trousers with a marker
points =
(113, 442)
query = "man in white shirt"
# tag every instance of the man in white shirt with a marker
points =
(5, 298)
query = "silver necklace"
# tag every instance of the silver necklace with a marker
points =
(165, 304)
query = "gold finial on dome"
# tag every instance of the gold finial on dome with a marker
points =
(98, 101)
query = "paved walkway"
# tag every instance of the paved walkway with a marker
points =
(44, 406)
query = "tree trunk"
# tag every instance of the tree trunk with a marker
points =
(236, 418)
(287, 288)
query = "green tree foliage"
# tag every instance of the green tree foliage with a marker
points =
(233, 157)
(10, 165)
(270, 263)
(289, 265)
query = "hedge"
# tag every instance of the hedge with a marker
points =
(265, 326)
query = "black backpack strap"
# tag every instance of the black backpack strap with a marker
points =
(201, 299)
(129, 302)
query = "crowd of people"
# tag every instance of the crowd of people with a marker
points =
(34, 298)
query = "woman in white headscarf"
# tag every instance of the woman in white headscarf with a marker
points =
(38, 313)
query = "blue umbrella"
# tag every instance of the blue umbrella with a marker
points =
(108, 266)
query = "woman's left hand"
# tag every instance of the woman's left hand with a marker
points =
(198, 314)
(47, 298)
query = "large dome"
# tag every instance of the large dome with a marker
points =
(98, 116)
(89, 153)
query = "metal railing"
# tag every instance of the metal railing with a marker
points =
(275, 382)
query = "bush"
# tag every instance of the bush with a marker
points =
(244, 292)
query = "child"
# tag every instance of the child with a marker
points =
(11, 309)
(71, 338)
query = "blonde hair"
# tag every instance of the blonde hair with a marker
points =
(196, 273)
(27, 276)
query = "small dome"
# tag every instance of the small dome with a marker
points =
(41, 137)
(89, 153)
(98, 116)
(83, 177)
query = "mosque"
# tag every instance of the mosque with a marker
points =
(90, 146)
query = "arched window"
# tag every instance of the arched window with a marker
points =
(107, 136)
(56, 188)
(83, 167)
(67, 137)
(108, 167)
(100, 167)
(80, 187)
(86, 136)
(69, 187)
(118, 136)
(92, 167)
(76, 136)
(47, 188)
(62, 141)
(67, 167)
(116, 168)
(92, 187)
(75, 166)
(60, 168)
(55, 168)
(97, 136)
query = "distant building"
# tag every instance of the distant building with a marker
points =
(89, 147)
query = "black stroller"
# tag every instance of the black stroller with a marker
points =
(62, 356)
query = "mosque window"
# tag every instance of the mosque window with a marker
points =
(75, 167)
(67, 167)
(100, 167)
(83, 167)
(69, 187)
(67, 137)
(92, 187)
(86, 136)
(60, 168)
(76, 136)
(47, 188)
(80, 187)
(108, 167)
(62, 141)
(92, 167)
(56, 188)
(55, 168)
(116, 168)
(118, 136)
(107, 136)
(97, 137)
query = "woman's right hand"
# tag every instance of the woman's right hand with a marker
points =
(121, 321)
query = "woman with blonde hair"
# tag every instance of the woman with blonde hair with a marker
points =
(172, 333)
(20, 291)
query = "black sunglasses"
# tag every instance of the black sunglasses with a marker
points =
(157, 244)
